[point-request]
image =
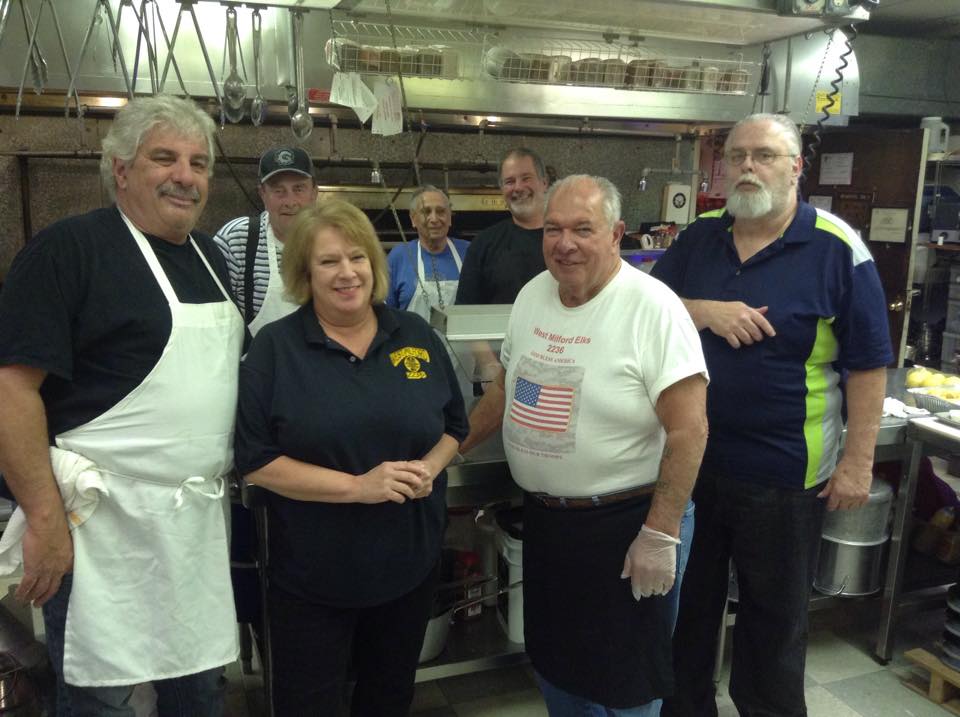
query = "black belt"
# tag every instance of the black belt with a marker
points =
(591, 501)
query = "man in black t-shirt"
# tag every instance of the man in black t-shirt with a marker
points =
(504, 257)
(119, 352)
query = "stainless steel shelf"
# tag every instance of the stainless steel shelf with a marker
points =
(473, 646)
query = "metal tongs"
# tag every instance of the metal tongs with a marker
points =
(114, 29)
(34, 59)
(188, 5)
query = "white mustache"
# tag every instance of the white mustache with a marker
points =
(751, 179)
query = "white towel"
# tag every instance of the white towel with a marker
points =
(893, 407)
(80, 483)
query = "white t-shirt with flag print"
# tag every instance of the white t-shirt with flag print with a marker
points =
(582, 383)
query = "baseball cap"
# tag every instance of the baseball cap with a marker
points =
(285, 159)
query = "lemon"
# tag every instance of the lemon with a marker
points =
(953, 381)
(934, 379)
(916, 377)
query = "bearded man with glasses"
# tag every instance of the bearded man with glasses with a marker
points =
(792, 319)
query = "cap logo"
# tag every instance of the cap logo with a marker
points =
(283, 157)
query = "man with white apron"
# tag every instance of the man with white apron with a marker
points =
(253, 246)
(425, 273)
(253, 249)
(120, 345)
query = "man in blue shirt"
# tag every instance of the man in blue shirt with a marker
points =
(425, 273)
(789, 305)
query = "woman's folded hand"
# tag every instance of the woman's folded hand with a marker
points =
(396, 481)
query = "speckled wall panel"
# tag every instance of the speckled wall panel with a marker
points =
(11, 234)
(63, 187)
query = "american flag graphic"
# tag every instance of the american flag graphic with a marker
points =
(542, 408)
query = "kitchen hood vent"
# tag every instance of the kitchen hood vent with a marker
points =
(640, 61)
(729, 22)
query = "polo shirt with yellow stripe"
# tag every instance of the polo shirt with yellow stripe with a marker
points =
(775, 407)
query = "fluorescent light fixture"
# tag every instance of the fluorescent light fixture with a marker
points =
(291, 4)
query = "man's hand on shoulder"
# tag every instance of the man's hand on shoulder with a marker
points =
(47, 557)
(849, 486)
(739, 324)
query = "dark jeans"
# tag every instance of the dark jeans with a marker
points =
(773, 537)
(197, 695)
(312, 647)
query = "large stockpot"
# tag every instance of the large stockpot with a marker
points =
(853, 545)
(850, 568)
(868, 523)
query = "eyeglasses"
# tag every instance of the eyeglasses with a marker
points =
(761, 156)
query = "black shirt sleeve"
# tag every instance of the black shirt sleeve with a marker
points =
(454, 412)
(470, 290)
(670, 267)
(254, 442)
(44, 280)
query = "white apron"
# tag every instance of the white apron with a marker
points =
(151, 594)
(433, 293)
(274, 305)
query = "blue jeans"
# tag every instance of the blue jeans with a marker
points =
(197, 695)
(563, 704)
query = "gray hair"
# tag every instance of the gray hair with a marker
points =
(786, 126)
(138, 117)
(610, 199)
(420, 191)
(522, 152)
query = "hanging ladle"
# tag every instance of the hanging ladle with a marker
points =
(233, 91)
(301, 123)
(258, 107)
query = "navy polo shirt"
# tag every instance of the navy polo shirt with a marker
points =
(775, 407)
(304, 396)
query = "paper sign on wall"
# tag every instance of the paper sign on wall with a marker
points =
(836, 168)
(823, 99)
(388, 116)
(821, 201)
(889, 225)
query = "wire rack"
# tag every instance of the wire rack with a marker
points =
(383, 49)
(614, 65)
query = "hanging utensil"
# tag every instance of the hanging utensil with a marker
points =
(188, 4)
(97, 18)
(301, 123)
(4, 14)
(63, 51)
(258, 107)
(115, 29)
(143, 33)
(38, 65)
(234, 93)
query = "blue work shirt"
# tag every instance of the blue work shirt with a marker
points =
(402, 262)
(774, 407)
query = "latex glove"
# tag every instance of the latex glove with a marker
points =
(651, 563)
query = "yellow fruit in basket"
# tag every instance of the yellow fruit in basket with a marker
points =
(934, 380)
(916, 377)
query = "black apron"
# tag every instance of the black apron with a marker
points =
(584, 631)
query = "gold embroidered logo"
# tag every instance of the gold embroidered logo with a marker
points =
(411, 358)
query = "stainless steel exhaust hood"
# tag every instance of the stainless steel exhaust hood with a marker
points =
(645, 60)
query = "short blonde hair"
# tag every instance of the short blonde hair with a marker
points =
(355, 228)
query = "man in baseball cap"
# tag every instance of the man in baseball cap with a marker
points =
(286, 186)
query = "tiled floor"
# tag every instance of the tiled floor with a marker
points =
(842, 678)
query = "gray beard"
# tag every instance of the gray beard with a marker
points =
(522, 209)
(750, 205)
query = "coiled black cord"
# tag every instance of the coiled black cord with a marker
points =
(814, 147)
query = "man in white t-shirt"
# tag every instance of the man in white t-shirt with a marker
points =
(602, 403)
